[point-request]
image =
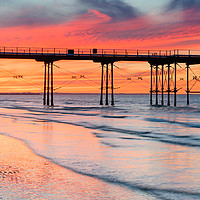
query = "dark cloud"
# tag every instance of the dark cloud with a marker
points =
(116, 9)
(190, 11)
(33, 13)
(184, 4)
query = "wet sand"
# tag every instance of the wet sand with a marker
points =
(25, 175)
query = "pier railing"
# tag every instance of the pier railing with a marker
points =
(96, 52)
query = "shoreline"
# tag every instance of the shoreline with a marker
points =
(25, 175)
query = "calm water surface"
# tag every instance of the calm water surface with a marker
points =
(155, 150)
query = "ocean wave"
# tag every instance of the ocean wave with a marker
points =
(154, 136)
(186, 124)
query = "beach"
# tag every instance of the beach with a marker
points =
(25, 175)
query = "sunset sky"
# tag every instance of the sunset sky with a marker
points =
(119, 24)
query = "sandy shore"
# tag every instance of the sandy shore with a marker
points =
(25, 175)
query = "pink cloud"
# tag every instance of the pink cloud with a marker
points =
(95, 29)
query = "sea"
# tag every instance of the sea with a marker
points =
(154, 150)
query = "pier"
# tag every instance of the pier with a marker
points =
(163, 67)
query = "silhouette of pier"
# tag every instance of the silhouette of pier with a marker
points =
(159, 61)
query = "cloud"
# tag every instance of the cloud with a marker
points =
(36, 13)
(184, 4)
(187, 10)
(116, 9)
(139, 31)
(47, 12)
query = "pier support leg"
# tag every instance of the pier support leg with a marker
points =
(162, 101)
(151, 90)
(107, 84)
(112, 85)
(52, 103)
(156, 85)
(175, 86)
(168, 103)
(45, 82)
(102, 73)
(48, 83)
(188, 89)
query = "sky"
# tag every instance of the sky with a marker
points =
(107, 24)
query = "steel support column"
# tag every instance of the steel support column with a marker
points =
(175, 86)
(156, 85)
(102, 73)
(107, 65)
(168, 90)
(188, 89)
(45, 82)
(162, 101)
(112, 85)
(151, 90)
(48, 81)
(52, 103)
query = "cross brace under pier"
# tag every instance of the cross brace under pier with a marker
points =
(164, 80)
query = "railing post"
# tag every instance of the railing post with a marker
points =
(125, 53)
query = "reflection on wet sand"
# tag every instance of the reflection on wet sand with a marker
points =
(25, 175)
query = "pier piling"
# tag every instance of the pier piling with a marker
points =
(168, 90)
(48, 83)
(188, 89)
(45, 82)
(162, 101)
(112, 85)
